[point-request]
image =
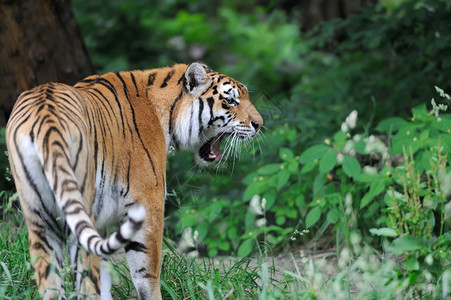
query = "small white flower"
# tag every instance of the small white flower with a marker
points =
(345, 256)
(340, 158)
(355, 238)
(255, 205)
(171, 151)
(348, 199)
(370, 170)
(196, 235)
(351, 120)
(349, 148)
(263, 203)
(357, 137)
(187, 240)
(429, 259)
(260, 222)
(344, 127)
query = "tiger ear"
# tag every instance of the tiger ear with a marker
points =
(195, 78)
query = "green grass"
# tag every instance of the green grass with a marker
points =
(16, 274)
(357, 273)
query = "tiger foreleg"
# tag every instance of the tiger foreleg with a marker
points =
(144, 256)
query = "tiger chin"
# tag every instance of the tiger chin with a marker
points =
(90, 157)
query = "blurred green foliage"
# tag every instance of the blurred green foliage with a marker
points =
(380, 62)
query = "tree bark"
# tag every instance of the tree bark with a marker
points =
(40, 41)
(312, 12)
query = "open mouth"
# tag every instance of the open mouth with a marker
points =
(211, 150)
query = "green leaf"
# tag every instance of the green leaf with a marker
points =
(377, 187)
(366, 200)
(308, 167)
(215, 209)
(444, 124)
(249, 220)
(255, 188)
(407, 243)
(411, 264)
(385, 231)
(270, 197)
(292, 213)
(282, 178)
(293, 167)
(245, 248)
(328, 161)
(367, 177)
(426, 160)
(351, 166)
(212, 252)
(420, 112)
(424, 136)
(319, 182)
(312, 153)
(280, 220)
(300, 200)
(286, 154)
(390, 125)
(340, 139)
(269, 169)
(312, 217)
(333, 216)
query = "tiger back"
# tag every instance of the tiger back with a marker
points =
(93, 156)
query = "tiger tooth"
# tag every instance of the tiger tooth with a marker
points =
(211, 156)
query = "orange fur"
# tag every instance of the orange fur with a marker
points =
(82, 156)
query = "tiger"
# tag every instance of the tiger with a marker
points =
(91, 157)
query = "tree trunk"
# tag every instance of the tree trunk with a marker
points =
(40, 41)
(312, 12)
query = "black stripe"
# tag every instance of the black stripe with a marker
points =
(120, 238)
(45, 141)
(43, 238)
(137, 130)
(95, 246)
(167, 78)
(201, 109)
(191, 121)
(80, 146)
(80, 227)
(215, 119)
(127, 188)
(134, 83)
(210, 102)
(89, 242)
(106, 248)
(136, 225)
(135, 246)
(69, 203)
(151, 79)
(75, 211)
(181, 79)
(171, 112)
(47, 270)
(112, 89)
(207, 89)
(39, 246)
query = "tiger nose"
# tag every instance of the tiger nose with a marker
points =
(257, 125)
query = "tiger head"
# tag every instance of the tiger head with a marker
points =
(219, 108)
